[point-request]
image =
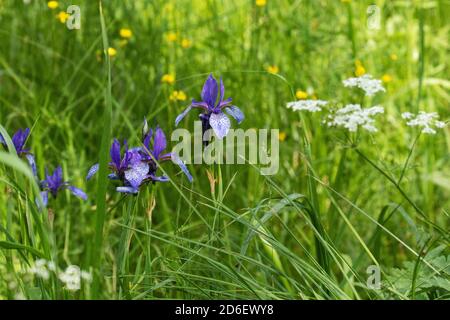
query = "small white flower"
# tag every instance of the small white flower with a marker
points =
(407, 115)
(367, 83)
(72, 276)
(353, 116)
(307, 105)
(425, 120)
(86, 276)
(39, 269)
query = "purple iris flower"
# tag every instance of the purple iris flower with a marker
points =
(54, 183)
(138, 166)
(213, 106)
(19, 139)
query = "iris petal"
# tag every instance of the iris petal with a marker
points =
(210, 91)
(127, 190)
(159, 144)
(182, 166)
(182, 115)
(93, 170)
(32, 163)
(136, 174)
(77, 192)
(220, 124)
(236, 113)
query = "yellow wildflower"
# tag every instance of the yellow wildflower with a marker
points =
(186, 43)
(282, 136)
(261, 3)
(63, 16)
(112, 52)
(52, 4)
(394, 57)
(168, 78)
(125, 33)
(359, 69)
(386, 78)
(171, 37)
(273, 69)
(178, 95)
(301, 94)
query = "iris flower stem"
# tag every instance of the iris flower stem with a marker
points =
(124, 246)
(218, 202)
(148, 226)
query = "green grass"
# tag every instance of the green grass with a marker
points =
(337, 205)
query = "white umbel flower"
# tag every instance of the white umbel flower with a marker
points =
(353, 116)
(307, 105)
(370, 85)
(427, 121)
(72, 277)
(40, 269)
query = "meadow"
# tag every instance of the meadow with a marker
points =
(358, 209)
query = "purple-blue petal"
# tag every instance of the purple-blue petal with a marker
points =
(127, 190)
(159, 179)
(58, 176)
(115, 153)
(77, 192)
(113, 176)
(44, 199)
(159, 143)
(210, 91)
(93, 170)
(182, 115)
(180, 163)
(19, 138)
(32, 163)
(222, 91)
(236, 113)
(136, 174)
(220, 124)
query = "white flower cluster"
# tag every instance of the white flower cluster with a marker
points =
(353, 116)
(71, 277)
(41, 268)
(424, 120)
(307, 105)
(367, 83)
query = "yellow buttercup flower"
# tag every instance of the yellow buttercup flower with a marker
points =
(261, 3)
(394, 57)
(125, 33)
(178, 95)
(171, 37)
(273, 69)
(359, 69)
(282, 136)
(186, 43)
(112, 52)
(168, 78)
(52, 4)
(63, 16)
(386, 78)
(299, 94)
